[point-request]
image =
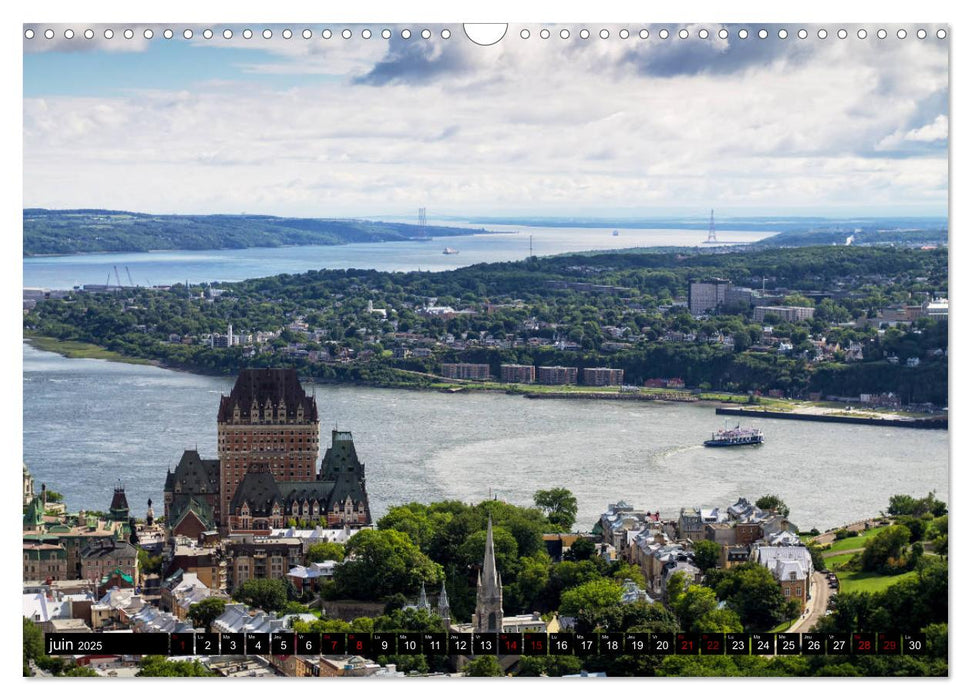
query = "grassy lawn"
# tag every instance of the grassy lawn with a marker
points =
(836, 560)
(783, 626)
(76, 349)
(868, 582)
(858, 542)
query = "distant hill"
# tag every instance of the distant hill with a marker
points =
(66, 231)
(913, 237)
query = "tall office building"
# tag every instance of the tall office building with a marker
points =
(706, 295)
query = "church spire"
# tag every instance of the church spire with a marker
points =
(444, 612)
(489, 576)
(488, 596)
(422, 598)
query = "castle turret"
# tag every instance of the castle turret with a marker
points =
(119, 506)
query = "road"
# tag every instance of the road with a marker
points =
(817, 605)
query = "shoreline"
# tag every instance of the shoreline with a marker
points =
(781, 408)
(79, 350)
(472, 232)
(915, 423)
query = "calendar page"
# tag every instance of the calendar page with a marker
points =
(422, 349)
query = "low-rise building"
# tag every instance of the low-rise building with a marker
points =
(309, 577)
(517, 374)
(44, 561)
(183, 590)
(789, 314)
(603, 376)
(249, 557)
(691, 526)
(110, 562)
(556, 375)
(465, 370)
(205, 562)
(791, 566)
(238, 618)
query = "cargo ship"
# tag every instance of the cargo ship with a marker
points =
(735, 437)
(450, 251)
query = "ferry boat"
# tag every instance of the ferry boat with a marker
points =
(450, 251)
(735, 437)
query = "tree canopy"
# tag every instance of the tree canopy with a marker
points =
(268, 594)
(382, 562)
(559, 505)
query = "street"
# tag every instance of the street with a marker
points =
(817, 604)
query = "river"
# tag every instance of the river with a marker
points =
(89, 424)
(510, 243)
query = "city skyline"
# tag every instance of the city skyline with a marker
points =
(576, 127)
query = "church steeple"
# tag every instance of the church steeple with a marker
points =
(444, 611)
(488, 597)
(423, 598)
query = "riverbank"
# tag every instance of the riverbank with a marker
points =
(75, 349)
(614, 396)
(939, 423)
(420, 381)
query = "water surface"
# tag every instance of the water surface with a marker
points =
(90, 423)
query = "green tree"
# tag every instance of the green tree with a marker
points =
(752, 592)
(504, 545)
(33, 644)
(325, 551)
(483, 666)
(593, 595)
(380, 563)
(264, 593)
(531, 580)
(416, 520)
(816, 555)
(901, 504)
(551, 666)
(937, 534)
(147, 564)
(581, 549)
(883, 552)
(559, 505)
(80, 672)
(697, 609)
(707, 554)
(158, 666)
(773, 503)
(206, 611)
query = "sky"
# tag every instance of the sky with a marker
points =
(551, 127)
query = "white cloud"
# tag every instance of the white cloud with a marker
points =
(523, 125)
(928, 133)
(936, 131)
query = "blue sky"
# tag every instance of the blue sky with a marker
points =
(589, 127)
